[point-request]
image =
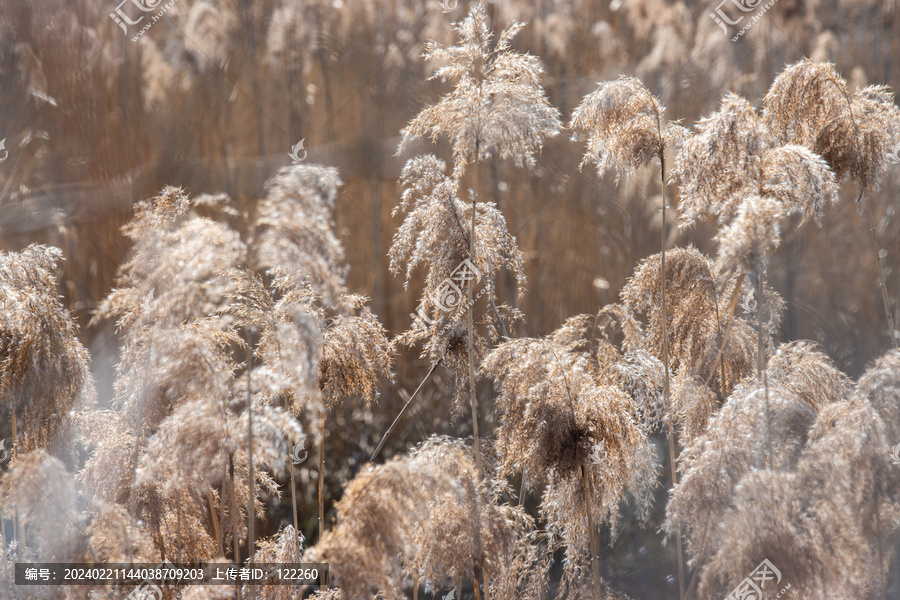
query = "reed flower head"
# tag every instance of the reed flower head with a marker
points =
(44, 368)
(696, 315)
(428, 516)
(752, 430)
(498, 103)
(716, 162)
(558, 419)
(294, 229)
(623, 123)
(176, 270)
(356, 353)
(434, 234)
(810, 105)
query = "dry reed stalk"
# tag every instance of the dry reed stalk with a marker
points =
(214, 519)
(517, 119)
(623, 124)
(235, 547)
(387, 434)
(470, 323)
(561, 417)
(321, 491)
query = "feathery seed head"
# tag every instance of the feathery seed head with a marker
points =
(622, 122)
(498, 103)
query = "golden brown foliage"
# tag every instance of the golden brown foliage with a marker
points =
(749, 432)
(809, 104)
(428, 516)
(696, 321)
(435, 234)
(44, 368)
(284, 547)
(827, 519)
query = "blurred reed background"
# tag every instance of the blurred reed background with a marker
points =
(213, 97)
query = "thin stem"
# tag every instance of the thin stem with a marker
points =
(251, 502)
(293, 482)
(15, 434)
(236, 548)
(470, 321)
(405, 406)
(761, 374)
(595, 550)
(665, 329)
(178, 518)
(734, 299)
(214, 518)
(881, 278)
(322, 474)
(499, 320)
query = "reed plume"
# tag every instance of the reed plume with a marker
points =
(715, 160)
(290, 341)
(835, 491)
(417, 516)
(695, 332)
(40, 491)
(625, 128)
(177, 267)
(714, 463)
(623, 125)
(116, 537)
(562, 426)
(434, 235)
(710, 500)
(284, 547)
(356, 354)
(809, 104)
(44, 368)
(498, 105)
(294, 229)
